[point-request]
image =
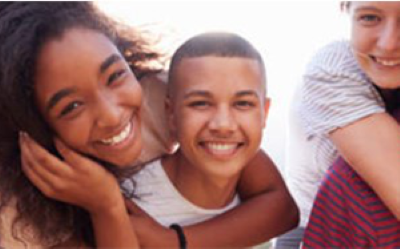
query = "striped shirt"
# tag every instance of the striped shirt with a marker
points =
(347, 213)
(333, 93)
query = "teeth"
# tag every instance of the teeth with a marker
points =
(118, 138)
(389, 63)
(215, 146)
(221, 148)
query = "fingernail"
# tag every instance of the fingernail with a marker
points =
(27, 137)
(21, 137)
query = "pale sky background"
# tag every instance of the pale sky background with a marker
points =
(287, 34)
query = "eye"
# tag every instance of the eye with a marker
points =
(114, 77)
(244, 104)
(368, 19)
(200, 104)
(69, 108)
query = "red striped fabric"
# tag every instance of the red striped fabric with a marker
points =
(347, 213)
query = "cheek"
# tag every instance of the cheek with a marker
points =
(75, 133)
(189, 124)
(362, 40)
(254, 126)
(132, 92)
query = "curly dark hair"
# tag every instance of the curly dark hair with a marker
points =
(25, 27)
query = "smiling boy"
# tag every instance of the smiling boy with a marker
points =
(217, 108)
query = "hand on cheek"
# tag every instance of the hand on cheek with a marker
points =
(76, 180)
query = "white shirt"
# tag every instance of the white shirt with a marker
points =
(158, 197)
(334, 92)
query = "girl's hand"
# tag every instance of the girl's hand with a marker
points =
(76, 180)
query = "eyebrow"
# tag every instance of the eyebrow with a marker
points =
(247, 93)
(366, 8)
(65, 92)
(202, 93)
(109, 61)
(57, 97)
(199, 93)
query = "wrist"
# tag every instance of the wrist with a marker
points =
(108, 209)
(111, 216)
(180, 235)
(167, 238)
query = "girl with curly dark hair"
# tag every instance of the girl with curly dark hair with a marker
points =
(69, 86)
(36, 38)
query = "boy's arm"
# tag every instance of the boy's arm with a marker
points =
(267, 211)
(371, 146)
(113, 229)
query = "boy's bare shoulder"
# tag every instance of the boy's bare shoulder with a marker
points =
(156, 137)
(156, 81)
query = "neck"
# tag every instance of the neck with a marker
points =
(198, 187)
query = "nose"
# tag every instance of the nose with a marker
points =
(389, 39)
(108, 113)
(223, 121)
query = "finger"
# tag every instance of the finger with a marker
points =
(42, 162)
(64, 151)
(29, 163)
(42, 183)
(74, 159)
(35, 179)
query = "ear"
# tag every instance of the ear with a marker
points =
(170, 116)
(267, 103)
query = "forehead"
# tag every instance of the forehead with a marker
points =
(393, 6)
(232, 73)
(71, 59)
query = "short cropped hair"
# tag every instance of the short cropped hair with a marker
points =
(220, 44)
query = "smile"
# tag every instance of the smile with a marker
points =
(220, 148)
(119, 138)
(386, 62)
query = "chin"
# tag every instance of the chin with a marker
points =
(387, 84)
(110, 163)
(122, 163)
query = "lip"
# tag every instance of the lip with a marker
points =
(386, 62)
(126, 142)
(119, 136)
